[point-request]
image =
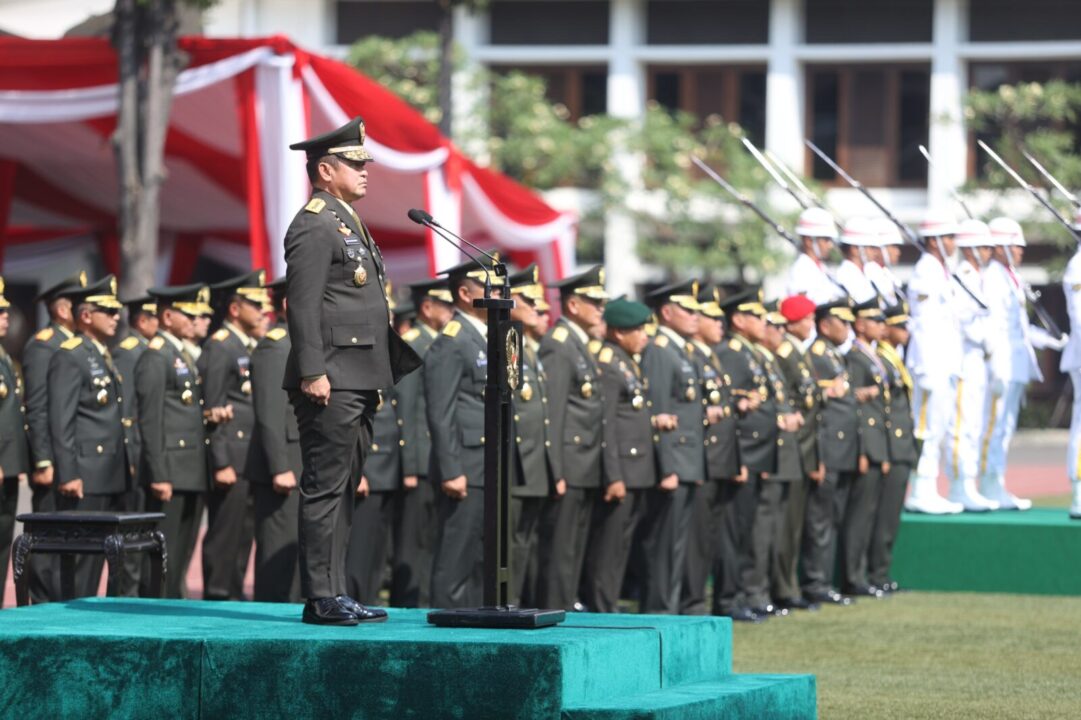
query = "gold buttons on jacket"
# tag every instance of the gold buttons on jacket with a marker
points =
(634, 451)
(240, 434)
(526, 392)
(181, 443)
(245, 387)
(638, 402)
(587, 390)
(187, 397)
(871, 422)
(100, 449)
(898, 432)
(577, 439)
(690, 394)
(3, 390)
(840, 435)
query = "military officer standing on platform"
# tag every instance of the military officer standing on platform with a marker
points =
(416, 525)
(43, 569)
(576, 415)
(169, 396)
(276, 459)
(531, 469)
(722, 455)
(669, 366)
(343, 352)
(838, 443)
(455, 373)
(14, 451)
(225, 366)
(86, 409)
(629, 470)
(757, 448)
(794, 358)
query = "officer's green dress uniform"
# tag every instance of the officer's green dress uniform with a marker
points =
(576, 429)
(839, 449)
(455, 372)
(903, 456)
(373, 516)
(277, 450)
(225, 366)
(794, 359)
(757, 451)
(14, 451)
(668, 364)
(169, 396)
(86, 411)
(628, 458)
(531, 475)
(416, 525)
(339, 324)
(44, 569)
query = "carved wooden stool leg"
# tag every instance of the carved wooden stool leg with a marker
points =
(22, 547)
(159, 564)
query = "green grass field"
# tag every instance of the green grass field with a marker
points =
(929, 655)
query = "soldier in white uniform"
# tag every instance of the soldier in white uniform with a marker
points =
(934, 360)
(859, 243)
(966, 431)
(1013, 363)
(877, 269)
(809, 275)
(1071, 364)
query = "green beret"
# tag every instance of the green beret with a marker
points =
(624, 314)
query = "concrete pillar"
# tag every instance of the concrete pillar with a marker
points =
(949, 79)
(467, 95)
(784, 84)
(626, 99)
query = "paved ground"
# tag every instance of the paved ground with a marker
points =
(1037, 470)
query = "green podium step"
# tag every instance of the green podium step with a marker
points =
(1034, 552)
(117, 658)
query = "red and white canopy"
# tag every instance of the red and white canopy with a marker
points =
(233, 185)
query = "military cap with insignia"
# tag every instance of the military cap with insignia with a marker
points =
(773, 313)
(527, 283)
(897, 314)
(841, 309)
(193, 300)
(144, 304)
(347, 141)
(709, 303)
(588, 284)
(624, 314)
(64, 288)
(748, 302)
(869, 310)
(471, 269)
(249, 286)
(437, 289)
(4, 304)
(101, 293)
(684, 294)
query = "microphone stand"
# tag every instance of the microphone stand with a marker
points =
(504, 373)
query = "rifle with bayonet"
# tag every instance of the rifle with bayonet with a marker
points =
(956, 196)
(1052, 179)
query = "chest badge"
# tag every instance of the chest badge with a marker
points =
(3, 390)
(360, 276)
(638, 402)
(587, 389)
(526, 392)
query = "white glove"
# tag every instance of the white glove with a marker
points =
(997, 387)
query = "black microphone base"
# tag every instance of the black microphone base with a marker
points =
(506, 617)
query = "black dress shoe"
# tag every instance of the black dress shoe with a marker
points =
(770, 609)
(893, 587)
(799, 603)
(746, 615)
(328, 611)
(864, 591)
(830, 597)
(363, 612)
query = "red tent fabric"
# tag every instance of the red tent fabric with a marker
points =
(232, 185)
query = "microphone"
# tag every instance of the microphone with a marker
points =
(421, 217)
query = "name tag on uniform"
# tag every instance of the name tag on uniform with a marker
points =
(352, 239)
(181, 367)
(482, 359)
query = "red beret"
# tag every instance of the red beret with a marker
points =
(796, 307)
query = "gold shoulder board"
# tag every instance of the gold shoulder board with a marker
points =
(411, 334)
(661, 340)
(605, 355)
(452, 329)
(277, 333)
(785, 349)
(594, 346)
(560, 334)
(735, 344)
(1076, 287)
(315, 205)
(157, 343)
(819, 347)
(129, 342)
(220, 335)
(44, 335)
(71, 343)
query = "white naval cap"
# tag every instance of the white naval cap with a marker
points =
(937, 223)
(972, 233)
(816, 222)
(887, 232)
(1007, 231)
(860, 232)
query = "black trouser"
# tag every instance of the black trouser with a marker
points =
(228, 540)
(183, 514)
(458, 565)
(891, 500)
(415, 529)
(369, 542)
(858, 519)
(738, 501)
(88, 567)
(825, 509)
(331, 438)
(784, 570)
(43, 568)
(703, 546)
(664, 547)
(563, 536)
(277, 576)
(611, 533)
(770, 500)
(525, 513)
(9, 502)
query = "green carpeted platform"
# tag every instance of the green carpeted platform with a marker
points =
(1037, 551)
(121, 658)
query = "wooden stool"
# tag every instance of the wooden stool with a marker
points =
(71, 533)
